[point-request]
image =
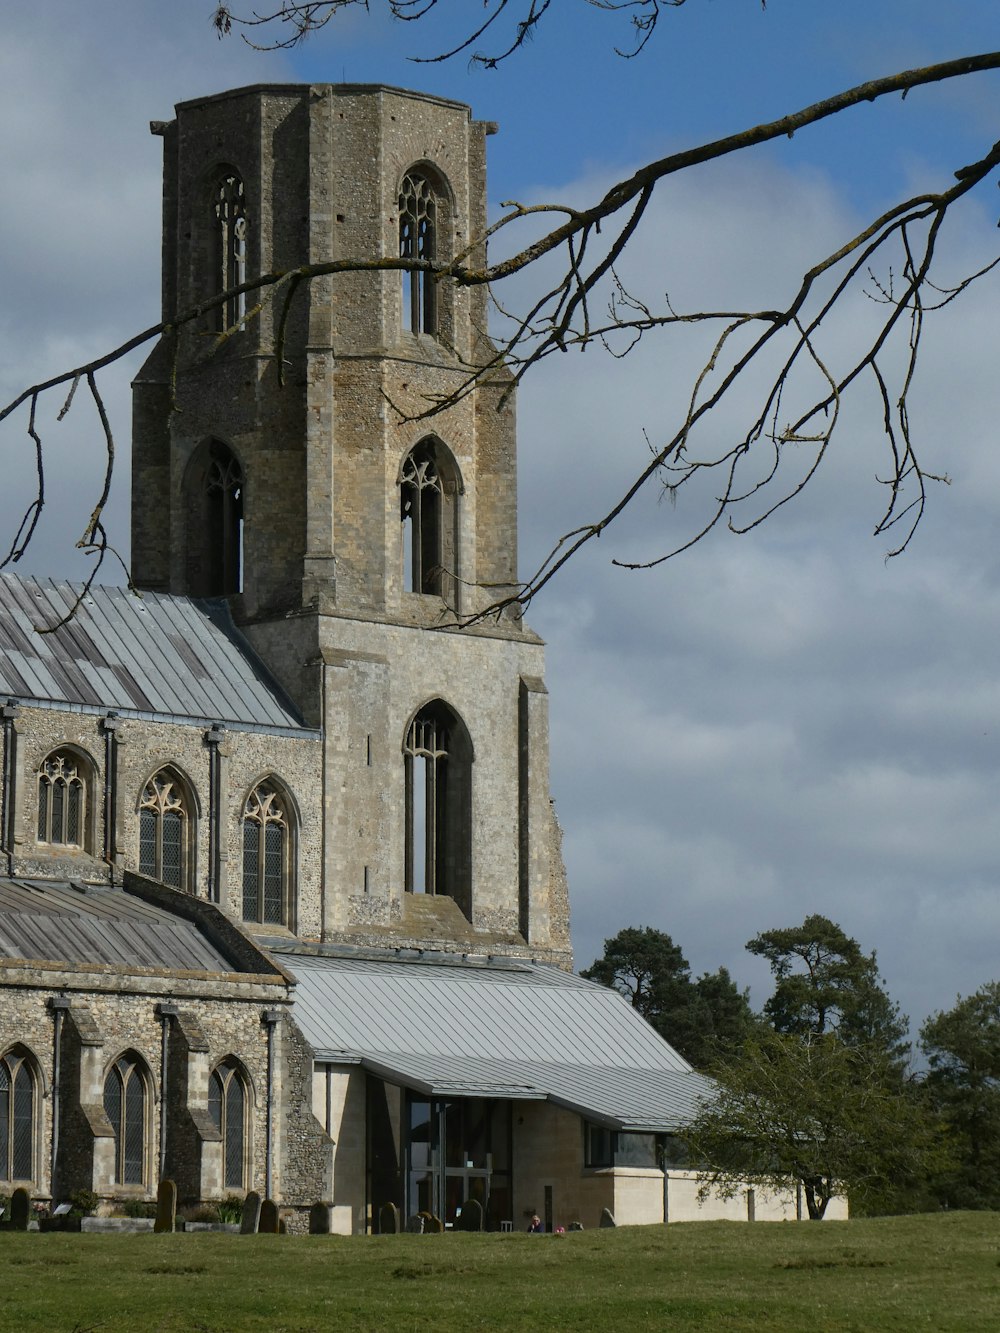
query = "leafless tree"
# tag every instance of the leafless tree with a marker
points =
(289, 22)
(581, 300)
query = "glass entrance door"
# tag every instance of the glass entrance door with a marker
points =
(458, 1150)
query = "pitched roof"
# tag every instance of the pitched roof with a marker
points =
(496, 1029)
(143, 654)
(59, 921)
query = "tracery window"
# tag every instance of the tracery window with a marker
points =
(164, 830)
(437, 757)
(429, 488)
(62, 796)
(418, 240)
(214, 486)
(227, 1106)
(17, 1117)
(229, 207)
(125, 1098)
(420, 514)
(266, 856)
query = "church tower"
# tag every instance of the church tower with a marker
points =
(283, 459)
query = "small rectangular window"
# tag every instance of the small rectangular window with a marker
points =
(598, 1146)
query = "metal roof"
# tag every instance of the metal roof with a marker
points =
(525, 1031)
(148, 653)
(62, 922)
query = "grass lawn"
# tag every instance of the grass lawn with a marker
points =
(933, 1272)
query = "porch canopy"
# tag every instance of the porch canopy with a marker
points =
(501, 1028)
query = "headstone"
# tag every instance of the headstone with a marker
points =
(388, 1220)
(607, 1218)
(415, 1225)
(20, 1205)
(268, 1224)
(166, 1207)
(319, 1219)
(471, 1217)
(575, 1226)
(433, 1226)
(250, 1220)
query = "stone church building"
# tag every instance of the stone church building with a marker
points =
(282, 904)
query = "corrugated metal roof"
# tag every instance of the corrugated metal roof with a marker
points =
(59, 922)
(150, 654)
(529, 1031)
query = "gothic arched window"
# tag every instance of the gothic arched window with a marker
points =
(125, 1102)
(229, 209)
(428, 510)
(266, 857)
(165, 825)
(437, 764)
(17, 1116)
(227, 1106)
(62, 799)
(418, 240)
(213, 484)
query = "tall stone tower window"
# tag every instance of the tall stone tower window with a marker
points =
(437, 765)
(165, 830)
(429, 486)
(125, 1102)
(213, 485)
(418, 240)
(17, 1116)
(266, 857)
(230, 248)
(62, 800)
(227, 1105)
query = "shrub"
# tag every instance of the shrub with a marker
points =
(133, 1208)
(84, 1203)
(230, 1209)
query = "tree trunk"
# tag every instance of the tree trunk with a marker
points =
(816, 1199)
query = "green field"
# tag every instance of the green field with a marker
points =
(933, 1272)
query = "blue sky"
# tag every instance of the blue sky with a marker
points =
(773, 725)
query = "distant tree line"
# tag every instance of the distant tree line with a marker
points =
(818, 1086)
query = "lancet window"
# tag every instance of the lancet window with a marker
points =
(266, 857)
(214, 488)
(125, 1102)
(165, 830)
(418, 240)
(429, 488)
(437, 759)
(420, 512)
(227, 1106)
(229, 206)
(17, 1117)
(62, 800)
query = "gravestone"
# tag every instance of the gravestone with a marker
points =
(433, 1226)
(471, 1217)
(250, 1220)
(415, 1225)
(388, 1220)
(575, 1226)
(607, 1218)
(268, 1224)
(319, 1219)
(166, 1207)
(20, 1204)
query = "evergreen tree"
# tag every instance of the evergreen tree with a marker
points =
(701, 1019)
(962, 1046)
(825, 983)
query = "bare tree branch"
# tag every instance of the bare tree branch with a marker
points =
(296, 20)
(566, 314)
